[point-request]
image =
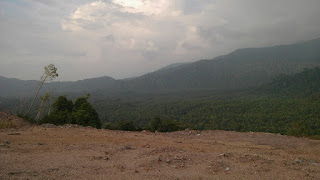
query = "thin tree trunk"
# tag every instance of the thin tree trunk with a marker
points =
(35, 97)
(39, 112)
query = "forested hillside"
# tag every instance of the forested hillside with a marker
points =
(304, 83)
(241, 69)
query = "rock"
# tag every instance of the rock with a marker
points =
(225, 155)
(128, 147)
(14, 134)
(297, 160)
(5, 142)
(121, 167)
(168, 161)
(40, 144)
(4, 145)
(227, 169)
(146, 145)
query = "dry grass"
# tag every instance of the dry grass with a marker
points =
(7, 125)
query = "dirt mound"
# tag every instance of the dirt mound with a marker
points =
(8, 121)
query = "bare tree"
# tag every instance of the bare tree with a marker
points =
(44, 99)
(22, 101)
(50, 72)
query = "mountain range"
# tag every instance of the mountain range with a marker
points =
(241, 69)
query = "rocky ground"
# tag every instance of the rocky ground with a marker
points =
(73, 152)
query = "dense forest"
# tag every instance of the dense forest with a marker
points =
(290, 104)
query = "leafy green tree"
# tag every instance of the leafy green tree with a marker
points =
(84, 113)
(81, 112)
(62, 104)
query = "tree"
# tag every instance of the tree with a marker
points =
(44, 99)
(81, 112)
(61, 112)
(84, 114)
(62, 104)
(50, 72)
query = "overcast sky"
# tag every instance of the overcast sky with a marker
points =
(126, 38)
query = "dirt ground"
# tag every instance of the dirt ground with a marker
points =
(73, 152)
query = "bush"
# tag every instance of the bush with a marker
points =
(165, 125)
(126, 126)
(155, 124)
(299, 129)
(108, 125)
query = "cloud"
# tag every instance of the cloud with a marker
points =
(124, 38)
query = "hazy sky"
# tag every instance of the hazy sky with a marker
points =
(125, 38)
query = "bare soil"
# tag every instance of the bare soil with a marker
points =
(8, 120)
(73, 152)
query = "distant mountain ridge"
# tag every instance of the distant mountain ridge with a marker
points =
(243, 68)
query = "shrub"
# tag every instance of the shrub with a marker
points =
(126, 126)
(299, 129)
(165, 125)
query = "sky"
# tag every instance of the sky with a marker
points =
(127, 38)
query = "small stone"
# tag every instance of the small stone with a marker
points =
(146, 145)
(128, 147)
(225, 155)
(297, 160)
(160, 158)
(5, 142)
(168, 161)
(39, 144)
(227, 169)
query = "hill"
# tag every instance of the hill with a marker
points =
(303, 83)
(15, 87)
(243, 68)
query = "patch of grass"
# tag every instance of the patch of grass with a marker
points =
(7, 125)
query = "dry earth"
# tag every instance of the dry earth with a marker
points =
(73, 152)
